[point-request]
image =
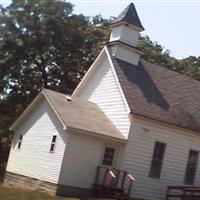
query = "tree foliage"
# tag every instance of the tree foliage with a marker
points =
(155, 53)
(44, 44)
(46, 47)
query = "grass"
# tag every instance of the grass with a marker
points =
(19, 194)
(23, 194)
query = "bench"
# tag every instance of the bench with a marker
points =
(183, 193)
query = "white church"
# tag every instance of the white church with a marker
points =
(130, 129)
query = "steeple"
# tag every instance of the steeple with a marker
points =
(130, 16)
(125, 32)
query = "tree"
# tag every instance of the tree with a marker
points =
(42, 47)
(190, 66)
(155, 53)
(53, 48)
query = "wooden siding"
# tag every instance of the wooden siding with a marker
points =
(102, 88)
(138, 154)
(115, 33)
(126, 34)
(34, 159)
(126, 54)
(26, 182)
(82, 156)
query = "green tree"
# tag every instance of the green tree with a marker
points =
(190, 66)
(46, 47)
(43, 44)
(155, 53)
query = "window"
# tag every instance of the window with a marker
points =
(53, 143)
(191, 167)
(108, 156)
(157, 160)
(20, 142)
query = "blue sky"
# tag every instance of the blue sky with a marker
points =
(175, 24)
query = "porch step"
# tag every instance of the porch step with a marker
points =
(109, 192)
(119, 196)
(112, 183)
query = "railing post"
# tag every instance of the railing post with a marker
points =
(117, 179)
(130, 187)
(123, 179)
(97, 175)
(105, 177)
(167, 194)
(184, 194)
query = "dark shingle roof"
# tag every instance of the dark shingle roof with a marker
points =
(130, 16)
(159, 93)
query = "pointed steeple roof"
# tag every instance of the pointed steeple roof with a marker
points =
(129, 15)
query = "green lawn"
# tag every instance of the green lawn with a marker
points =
(18, 194)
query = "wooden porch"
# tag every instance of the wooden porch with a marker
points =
(112, 183)
(182, 193)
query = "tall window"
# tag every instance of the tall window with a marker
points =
(157, 160)
(108, 156)
(191, 167)
(20, 142)
(53, 143)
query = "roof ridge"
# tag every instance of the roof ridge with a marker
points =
(156, 64)
(46, 90)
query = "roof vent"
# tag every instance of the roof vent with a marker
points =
(68, 98)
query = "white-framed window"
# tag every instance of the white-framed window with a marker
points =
(109, 155)
(20, 142)
(53, 143)
(157, 160)
(191, 168)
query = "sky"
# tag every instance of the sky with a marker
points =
(174, 24)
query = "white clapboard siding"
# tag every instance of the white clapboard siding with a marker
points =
(138, 154)
(82, 156)
(34, 159)
(102, 89)
(130, 35)
(125, 34)
(123, 53)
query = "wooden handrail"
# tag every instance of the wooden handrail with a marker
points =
(112, 174)
(110, 167)
(182, 187)
(114, 179)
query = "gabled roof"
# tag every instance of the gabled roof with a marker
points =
(161, 94)
(77, 114)
(130, 16)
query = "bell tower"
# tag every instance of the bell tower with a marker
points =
(125, 32)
